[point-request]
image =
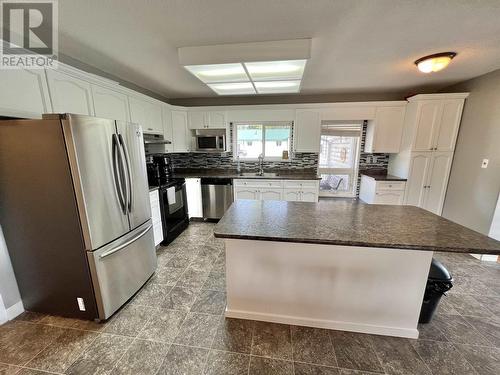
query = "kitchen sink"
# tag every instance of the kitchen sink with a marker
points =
(256, 174)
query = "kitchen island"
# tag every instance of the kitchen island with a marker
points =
(336, 264)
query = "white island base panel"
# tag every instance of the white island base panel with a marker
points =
(359, 289)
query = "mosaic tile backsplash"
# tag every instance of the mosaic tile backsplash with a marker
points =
(299, 161)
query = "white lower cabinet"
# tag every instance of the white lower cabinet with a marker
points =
(270, 194)
(381, 192)
(193, 193)
(154, 200)
(288, 190)
(428, 179)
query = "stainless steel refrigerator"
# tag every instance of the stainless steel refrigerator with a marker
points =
(75, 212)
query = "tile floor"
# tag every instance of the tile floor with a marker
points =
(175, 326)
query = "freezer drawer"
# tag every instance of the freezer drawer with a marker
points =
(121, 268)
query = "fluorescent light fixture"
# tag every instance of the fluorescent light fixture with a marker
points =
(276, 70)
(270, 67)
(233, 88)
(218, 72)
(275, 87)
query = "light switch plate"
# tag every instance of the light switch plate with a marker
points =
(484, 164)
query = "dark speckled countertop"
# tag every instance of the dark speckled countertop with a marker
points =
(381, 176)
(232, 173)
(352, 224)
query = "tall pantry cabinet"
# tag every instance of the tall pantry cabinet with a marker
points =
(428, 143)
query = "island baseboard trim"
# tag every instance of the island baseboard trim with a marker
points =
(327, 324)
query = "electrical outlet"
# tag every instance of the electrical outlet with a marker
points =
(484, 164)
(81, 304)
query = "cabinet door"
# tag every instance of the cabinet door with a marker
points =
(167, 128)
(309, 195)
(70, 94)
(245, 193)
(110, 104)
(428, 117)
(216, 119)
(446, 134)
(146, 114)
(291, 195)
(27, 94)
(193, 193)
(180, 131)
(389, 197)
(307, 131)
(438, 181)
(388, 129)
(197, 120)
(271, 194)
(420, 164)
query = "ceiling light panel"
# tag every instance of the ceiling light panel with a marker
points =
(276, 70)
(277, 87)
(218, 72)
(233, 88)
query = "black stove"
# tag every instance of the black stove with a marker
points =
(172, 193)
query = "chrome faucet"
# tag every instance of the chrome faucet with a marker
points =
(261, 165)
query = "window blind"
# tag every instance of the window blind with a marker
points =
(341, 129)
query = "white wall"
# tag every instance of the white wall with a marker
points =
(472, 192)
(8, 285)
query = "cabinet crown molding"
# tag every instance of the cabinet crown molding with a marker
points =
(454, 95)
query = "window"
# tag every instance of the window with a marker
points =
(269, 139)
(339, 158)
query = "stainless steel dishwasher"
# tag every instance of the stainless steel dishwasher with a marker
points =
(216, 196)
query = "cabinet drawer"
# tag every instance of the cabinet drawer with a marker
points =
(389, 197)
(390, 185)
(301, 184)
(259, 183)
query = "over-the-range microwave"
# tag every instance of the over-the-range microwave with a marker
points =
(210, 140)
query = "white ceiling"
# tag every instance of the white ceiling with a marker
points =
(358, 46)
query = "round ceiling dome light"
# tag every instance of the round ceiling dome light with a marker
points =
(434, 63)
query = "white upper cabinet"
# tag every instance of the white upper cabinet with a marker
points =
(27, 94)
(445, 138)
(206, 120)
(180, 132)
(437, 123)
(110, 104)
(70, 94)
(383, 134)
(146, 113)
(167, 127)
(307, 130)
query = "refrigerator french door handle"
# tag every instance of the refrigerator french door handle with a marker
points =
(118, 182)
(129, 177)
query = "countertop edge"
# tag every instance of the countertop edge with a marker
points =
(354, 243)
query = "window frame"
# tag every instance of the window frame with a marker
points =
(348, 171)
(264, 124)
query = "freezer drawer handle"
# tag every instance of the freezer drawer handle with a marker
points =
(118, 248)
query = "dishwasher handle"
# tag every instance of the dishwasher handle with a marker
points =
(216, 181)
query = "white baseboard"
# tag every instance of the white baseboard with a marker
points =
(3, 312)
(328, 324)
(15, 310)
